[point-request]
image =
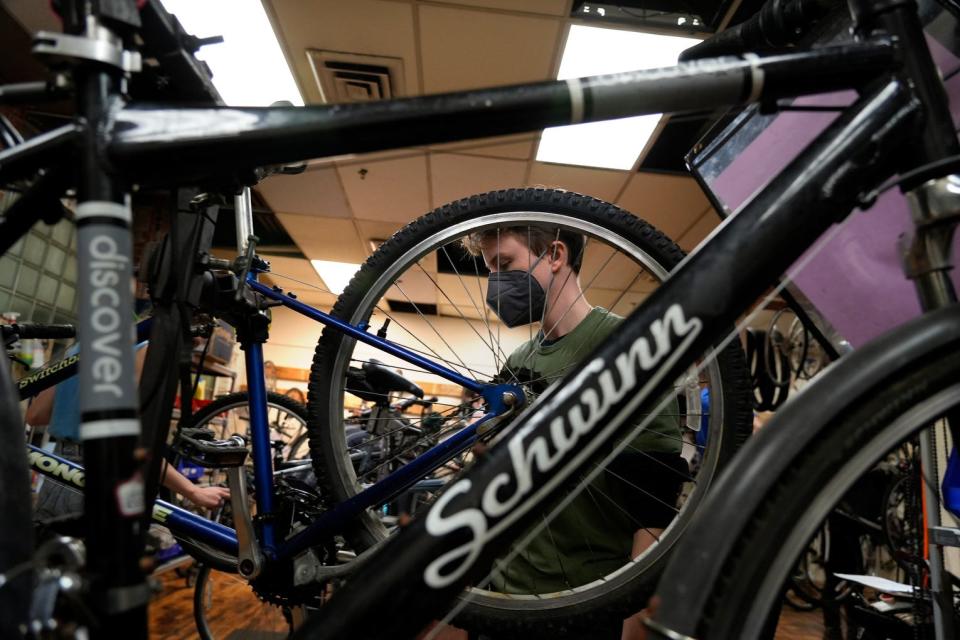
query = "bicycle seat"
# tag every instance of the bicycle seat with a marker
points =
(374, 382)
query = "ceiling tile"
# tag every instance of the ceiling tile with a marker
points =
(699, 231)
(456, 176)
(519, 147)
(377, 230)
(547, 7)
(394, 190)
(468, 49)
(325, 238)
(371, 27)
(297, 268)
(670, 203)
(311, 193)
(598, 183)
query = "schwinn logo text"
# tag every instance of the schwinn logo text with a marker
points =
(606, 386)
(106, 277)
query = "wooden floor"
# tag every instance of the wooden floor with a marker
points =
(235, 613)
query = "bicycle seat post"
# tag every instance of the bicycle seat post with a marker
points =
(244, 219)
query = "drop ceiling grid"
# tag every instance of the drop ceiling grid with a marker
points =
(451, 170)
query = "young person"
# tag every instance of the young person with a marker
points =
(534, 278)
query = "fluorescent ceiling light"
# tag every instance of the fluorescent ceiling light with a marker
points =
(249, 69)
(611, 144)
(336, 275)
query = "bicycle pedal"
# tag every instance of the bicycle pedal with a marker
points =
(213, 454)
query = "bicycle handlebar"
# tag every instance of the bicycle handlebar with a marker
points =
(34, 330)
(778, 23)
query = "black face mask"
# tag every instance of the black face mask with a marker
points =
(516, 296)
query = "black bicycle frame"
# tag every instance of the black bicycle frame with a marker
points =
(468, 526)
(121, 145)
(472, 523)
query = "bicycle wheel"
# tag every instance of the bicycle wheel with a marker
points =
(227, 416)
(224, 604)
(789, 498)
(433, 291)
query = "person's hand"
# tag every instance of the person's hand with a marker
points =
(209, 497)
(633, 627)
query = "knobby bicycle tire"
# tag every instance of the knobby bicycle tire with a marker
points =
(495, 614)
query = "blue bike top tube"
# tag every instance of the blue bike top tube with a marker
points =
(373, 340)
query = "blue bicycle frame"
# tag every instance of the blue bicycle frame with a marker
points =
(377, 494)
(185, 523)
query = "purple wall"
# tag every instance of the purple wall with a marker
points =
(855, 280)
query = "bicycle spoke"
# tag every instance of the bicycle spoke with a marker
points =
(449, 364)
(686, 477)
(620, 508)
(481, 313)
(432, 327)
(556, 552)
(487, 319)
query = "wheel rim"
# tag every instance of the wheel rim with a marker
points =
(908, 422)
(370, 304)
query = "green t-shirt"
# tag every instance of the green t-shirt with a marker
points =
(592, 536)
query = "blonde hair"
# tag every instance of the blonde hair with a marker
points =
(537, 238)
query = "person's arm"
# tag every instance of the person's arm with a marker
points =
(203, 496)
(41, 409)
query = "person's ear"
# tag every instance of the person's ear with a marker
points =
(556, 255)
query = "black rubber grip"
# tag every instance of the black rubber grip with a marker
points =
(43, 331)
(778, 23)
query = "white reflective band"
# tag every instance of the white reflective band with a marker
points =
(103, 208)
(576, 100)
(756, 76)
(109, 429)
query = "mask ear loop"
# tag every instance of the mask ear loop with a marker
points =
(546, 294)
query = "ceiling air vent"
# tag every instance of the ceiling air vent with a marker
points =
(353, 77)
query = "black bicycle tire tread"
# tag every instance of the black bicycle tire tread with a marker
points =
(916, 386)
(204, 413)
(203, 629)
(667, 253)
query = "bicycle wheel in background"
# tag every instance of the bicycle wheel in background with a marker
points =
(785, 487)
(224, 605)
(434, 293)
(224, 601)
(227, 416)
